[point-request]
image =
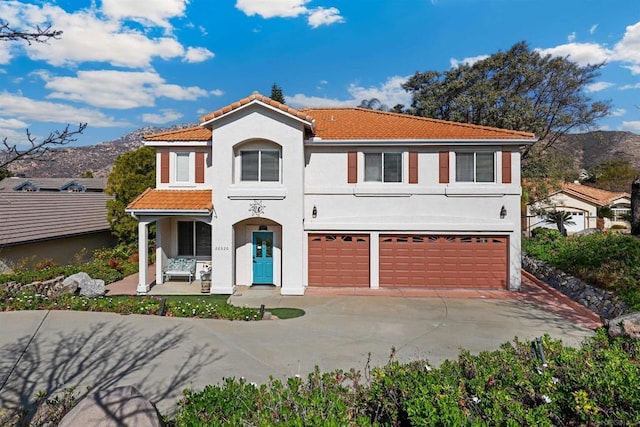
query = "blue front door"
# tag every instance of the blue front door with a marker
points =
(263, 257)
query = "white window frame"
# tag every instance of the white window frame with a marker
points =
(474, 167)
(178, 168)
(382, 166)
(260, 152)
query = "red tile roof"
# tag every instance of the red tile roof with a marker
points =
(353, 123)
(364, 124)
(172, 200)
(256, 96)
(594, 195)
(196, 133)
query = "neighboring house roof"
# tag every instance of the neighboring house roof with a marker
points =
(354, 123)
(594, 195)
(172, 200)
(29, 217)
(52, 184)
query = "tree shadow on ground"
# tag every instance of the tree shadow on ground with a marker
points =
(100, 357)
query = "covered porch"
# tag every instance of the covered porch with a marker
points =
(183, 232)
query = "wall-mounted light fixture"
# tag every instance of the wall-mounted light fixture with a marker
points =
(314, 212)
(503, 212)
(262, 227)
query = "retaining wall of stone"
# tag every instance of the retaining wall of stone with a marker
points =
(44, 287)
(597, 300)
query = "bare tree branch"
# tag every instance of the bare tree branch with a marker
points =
(37, 149)
(40, 35)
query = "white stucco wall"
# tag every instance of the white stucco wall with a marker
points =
(232, 199)
(422, 208)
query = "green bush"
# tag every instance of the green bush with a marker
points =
(607, 261)
(596, 384)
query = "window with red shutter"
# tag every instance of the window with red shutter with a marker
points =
(164, 167)
(200, 168)
(444, 167)
(352, 167)
(413, 168)
(506, 167)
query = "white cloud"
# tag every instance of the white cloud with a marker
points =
(389, 93)
(150, 12)
(580, 53)
(618, 112)
(633, 126)
(571, 37)
(216, 92)
(12, 123)
(598, 86)
(23, 108)
(118, 89)
(322, 16)
(628, 49)
(635, 69)
(290, 9)
(197, 54)
(273, 8)
(90, 36)
(466, 61)
(166, 116)
(593, 29)
(633, 86)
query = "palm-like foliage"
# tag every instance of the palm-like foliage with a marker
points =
(560, 218)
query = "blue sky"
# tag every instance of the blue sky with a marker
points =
(124, 64)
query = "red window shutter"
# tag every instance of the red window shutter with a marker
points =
(164, 167)
(413, 168)
(352, 167)
(200, 168)
(506, 167)
(444, 167)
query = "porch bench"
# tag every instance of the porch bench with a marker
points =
(181, 267)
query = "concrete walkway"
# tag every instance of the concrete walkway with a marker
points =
(47, 351)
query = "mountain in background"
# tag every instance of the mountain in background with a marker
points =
(76, 161)
(584, 150)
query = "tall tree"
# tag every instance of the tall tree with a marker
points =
(34, 149)
(373, 104)
(519, 89)
(635, 206)
(276, 94)
(132, 173)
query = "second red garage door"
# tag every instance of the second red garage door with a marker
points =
(443, 261)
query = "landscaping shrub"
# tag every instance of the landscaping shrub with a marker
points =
(596, 384)
(607, 261)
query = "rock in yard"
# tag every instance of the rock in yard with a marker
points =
(120, 406)
(94, 288)
(628, 324)
(88, 287)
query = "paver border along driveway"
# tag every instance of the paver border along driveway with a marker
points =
(47, 351)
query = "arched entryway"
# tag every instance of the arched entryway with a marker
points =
(258, 252)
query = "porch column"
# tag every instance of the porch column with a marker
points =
(143, 250)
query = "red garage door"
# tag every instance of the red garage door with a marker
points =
(443, 261)
(338, 260)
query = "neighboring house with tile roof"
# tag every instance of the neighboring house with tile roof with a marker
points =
(584, 203)
(313, 197)
(50, 224)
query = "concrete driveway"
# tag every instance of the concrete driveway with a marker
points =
(47, 351)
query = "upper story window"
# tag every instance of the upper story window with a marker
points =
(383, 167)
(182, 167)
(260, 165)
(475, 167)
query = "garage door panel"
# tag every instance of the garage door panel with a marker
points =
(443, 261)
(338, 260)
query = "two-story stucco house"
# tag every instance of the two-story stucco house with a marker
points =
(297, 198)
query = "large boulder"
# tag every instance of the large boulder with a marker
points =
(88, 287)
(94, 288)
(628, 325)
(120, 406)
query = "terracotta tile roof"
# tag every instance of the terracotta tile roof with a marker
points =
(256, 96)
(172, 200)
(594, 195)
(360, 123)
(196, 133)
(43, 215)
